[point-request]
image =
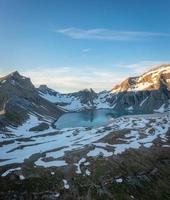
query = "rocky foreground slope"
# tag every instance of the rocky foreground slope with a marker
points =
(126, 159)
(146, 93)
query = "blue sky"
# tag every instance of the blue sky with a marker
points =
(76, 44)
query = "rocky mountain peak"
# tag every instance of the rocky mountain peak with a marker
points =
(43, 87)
(15, 74)
(14, 81)
(150, 80)
(87, 90)
(19, 98)
(46, 90)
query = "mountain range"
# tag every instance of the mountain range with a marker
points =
(147, 93)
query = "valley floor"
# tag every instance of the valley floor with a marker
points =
(129, 158)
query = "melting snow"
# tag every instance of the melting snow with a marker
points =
(56, 194)
(119, 180)
(161, 109)
(66, 185)
(24, 143)
(144, 101)
(82, 160)
(87, 172)
(99, 151)
(56, 163)
(21, 177)
(11, 170)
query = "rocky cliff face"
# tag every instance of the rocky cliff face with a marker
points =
(150, 80)
(18, 98)
(148, 92)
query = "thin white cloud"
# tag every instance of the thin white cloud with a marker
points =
(142, 66)
(108, 34)
(75, 79)
(86, 50)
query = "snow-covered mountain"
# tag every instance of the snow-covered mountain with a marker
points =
(150, 80)
(146, 93)
(77, 101)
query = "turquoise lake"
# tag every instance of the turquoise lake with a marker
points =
(92, 118)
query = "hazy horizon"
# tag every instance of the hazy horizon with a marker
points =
(34, 78)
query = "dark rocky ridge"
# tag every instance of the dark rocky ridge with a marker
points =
(19, 97)
(147, 100)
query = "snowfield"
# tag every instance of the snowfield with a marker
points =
(72, 103)
(52, 145)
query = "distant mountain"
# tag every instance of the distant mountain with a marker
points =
(81, 100)
(19, 98)
(151, 80)
(146, 93)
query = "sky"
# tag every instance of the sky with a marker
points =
(75, 44)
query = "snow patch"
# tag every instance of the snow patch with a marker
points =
(66, 185)
(99, 151)
(161, 109)
(10, 170)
